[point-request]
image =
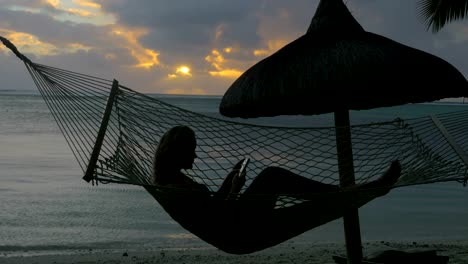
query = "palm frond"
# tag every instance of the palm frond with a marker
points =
(437, 13)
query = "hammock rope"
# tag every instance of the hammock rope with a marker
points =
(137, 122)
(120, 147)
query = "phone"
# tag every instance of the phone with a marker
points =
(243, 166)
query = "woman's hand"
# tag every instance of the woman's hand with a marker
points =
(238, 165)
(238, 181)
(232, 184)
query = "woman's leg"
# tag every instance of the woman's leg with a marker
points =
(281, 181)
(263, 192)
(284, 223)
(274, 181)
(266, 228)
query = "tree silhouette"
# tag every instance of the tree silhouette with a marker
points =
(437, 13)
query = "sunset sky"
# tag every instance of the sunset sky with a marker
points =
(188, 46)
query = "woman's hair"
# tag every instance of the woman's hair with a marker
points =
(171, 146)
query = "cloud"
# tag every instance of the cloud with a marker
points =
(86, 3)
(129, 39)
(144, 43)
(218, 62)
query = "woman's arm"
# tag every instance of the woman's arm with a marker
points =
(231, 184)
(226, 186)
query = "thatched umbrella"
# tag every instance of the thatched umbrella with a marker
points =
(338, 65)
(335, 67)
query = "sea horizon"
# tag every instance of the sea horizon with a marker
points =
(459, 100)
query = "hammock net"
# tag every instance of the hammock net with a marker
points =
(430, 149)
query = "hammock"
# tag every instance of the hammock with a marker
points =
(113, 132)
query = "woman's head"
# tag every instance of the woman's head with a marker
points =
(176, 151)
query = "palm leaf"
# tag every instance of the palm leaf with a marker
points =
(437, 13)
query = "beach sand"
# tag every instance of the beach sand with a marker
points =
(286, 253)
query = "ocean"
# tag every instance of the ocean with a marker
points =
(46, 208)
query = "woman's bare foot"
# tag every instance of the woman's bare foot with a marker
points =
(382, 184)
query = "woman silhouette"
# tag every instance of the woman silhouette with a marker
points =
(249, 221)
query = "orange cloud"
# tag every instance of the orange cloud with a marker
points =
(73, 47)
(29, 43)
(146, 58)
(86, 3)
(54, 3)
(230, 73)
(217, 61)
(272, 47)
(76, 7)
(80, 12)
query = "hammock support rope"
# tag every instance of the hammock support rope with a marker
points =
(113, 133)
(450, 140)
(90, 170)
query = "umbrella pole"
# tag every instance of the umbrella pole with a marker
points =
(346, 170)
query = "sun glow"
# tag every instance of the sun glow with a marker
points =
(184, 70)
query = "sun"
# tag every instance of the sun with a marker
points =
(184, 70)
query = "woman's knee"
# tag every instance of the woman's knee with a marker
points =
(272, 171)
(272, 175)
